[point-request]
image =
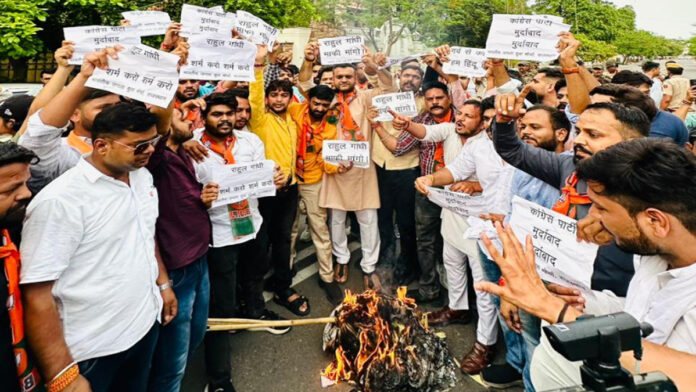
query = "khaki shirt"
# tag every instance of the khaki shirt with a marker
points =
(677, 87)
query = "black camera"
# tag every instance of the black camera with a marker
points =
(599, 342)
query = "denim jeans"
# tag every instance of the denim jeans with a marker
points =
(124, 371)
(519, 347)
(180, 338)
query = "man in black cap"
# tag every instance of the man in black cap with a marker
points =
(13, 111)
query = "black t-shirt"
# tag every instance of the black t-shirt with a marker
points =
(8, 371)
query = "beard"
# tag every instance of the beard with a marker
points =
(548, 145)
(217, 130)
(640, 244)
(14, 215)
(409, 86)
(577, 158)
(316, 115)
(534, 98)
(241, 123)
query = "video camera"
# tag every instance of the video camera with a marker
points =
(598, 342)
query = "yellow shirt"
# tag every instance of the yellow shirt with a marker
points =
(314, 165)
(278, 134)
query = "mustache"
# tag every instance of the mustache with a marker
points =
(579, 147)
(223, 123)
(437, 107)
(527, 137)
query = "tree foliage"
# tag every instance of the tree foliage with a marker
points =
(18, 27)
(645, 44)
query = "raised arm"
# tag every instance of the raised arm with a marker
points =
(56, 84)
(384, 77)
(578, 89)
(686, 104)
(311, 51)
(256, 90)
(58, 111)
(538, 162)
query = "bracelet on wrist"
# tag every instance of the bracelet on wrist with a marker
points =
(66, 377)
(166, 285)
(561, 315)
(166, 46)
(687, 102)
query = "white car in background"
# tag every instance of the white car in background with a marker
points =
(9, 89)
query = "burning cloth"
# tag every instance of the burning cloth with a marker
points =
(382, 346)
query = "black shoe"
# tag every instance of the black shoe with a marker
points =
(224, 387)
(333, 292)
(403, 278)
(501, 376)
(271, 316)
(420, 298)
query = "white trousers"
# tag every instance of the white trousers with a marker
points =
(455, 264)
(549, 370)
(369, 238)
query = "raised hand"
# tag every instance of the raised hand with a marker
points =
(568, 47)
(99, 60)
(311, 51)
(509, 106)
(400, 123)
(171, 36)
(443, 52)
(64, 54)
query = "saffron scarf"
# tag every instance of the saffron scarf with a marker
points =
(306, 141)
(29, 377)
(570, 198)
(439, 158)
(79, 143)
(241, 221)
(349, 128)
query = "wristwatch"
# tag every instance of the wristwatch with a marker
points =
(166, 285)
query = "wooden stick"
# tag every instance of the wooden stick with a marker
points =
(218, 325)
(217, 321)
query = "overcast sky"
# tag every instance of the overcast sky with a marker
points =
(668, 18)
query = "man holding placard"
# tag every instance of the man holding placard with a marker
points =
(395, 174)
(239, 237)
(355, 189)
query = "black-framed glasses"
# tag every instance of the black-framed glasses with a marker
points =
(141, 147)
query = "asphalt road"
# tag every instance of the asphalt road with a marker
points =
(262, 362)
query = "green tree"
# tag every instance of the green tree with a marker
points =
(643, 43)
(593, 51)
(598, 20)
(692, 46)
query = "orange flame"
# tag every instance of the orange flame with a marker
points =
(401, 295)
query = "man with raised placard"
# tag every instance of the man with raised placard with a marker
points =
(355, 189)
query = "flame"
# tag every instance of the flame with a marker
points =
(338, 371)
(401, 295)
(377, 340)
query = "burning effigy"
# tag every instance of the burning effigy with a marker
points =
(381, 345)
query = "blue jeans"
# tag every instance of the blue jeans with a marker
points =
(180, 338)
(519, 347)
(124, 371)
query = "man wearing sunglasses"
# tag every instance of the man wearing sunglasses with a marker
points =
(95, 288)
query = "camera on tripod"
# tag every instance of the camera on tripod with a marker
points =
(599, 342)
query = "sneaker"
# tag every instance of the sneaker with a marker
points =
(271, 316)
(501, 376)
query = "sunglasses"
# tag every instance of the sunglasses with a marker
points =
(141, 147)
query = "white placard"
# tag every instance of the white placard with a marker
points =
(211, 22)
(341, 50)
(401, 103)
(524, 37)
(344, 151)
(140, 72)
(243, 181)
(255, 29)
(560, 258)
(458, 202)
(148, 22)
(465, 62)
(398, 60)
(218, 58)
(90, 39)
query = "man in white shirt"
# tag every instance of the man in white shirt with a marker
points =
(75, 104)
(240, 239)
(642, 193)
(652, 70)
(476, 160)
(93, 282)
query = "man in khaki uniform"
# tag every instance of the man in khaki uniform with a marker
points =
(674, 89)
